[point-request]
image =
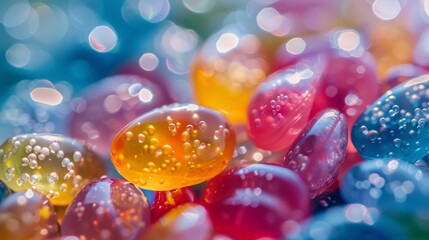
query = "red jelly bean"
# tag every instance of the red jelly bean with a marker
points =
(319, 152)
(280, 107)
(256, 201)
(107, 209)
(348, 84)
(164, 201)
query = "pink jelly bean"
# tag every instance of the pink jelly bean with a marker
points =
(110, 104)
(280, 107)
(107, 209)
(317, 154)
(256, 201)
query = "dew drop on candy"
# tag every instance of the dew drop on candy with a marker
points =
(395, 126)
(107, 209)
(280, 107)
(55, 165)
(173, 147)
(318, 153)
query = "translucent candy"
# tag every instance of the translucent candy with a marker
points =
(394, 127)
(164, 201)
(280, 107)
(55, 165)
(257, 201)
(353, 221)
(394, 186)
(107, 209)
(107, 106)
(173, 147)
(318, 153)
(188, 221)
(227, 70)
(27, 215)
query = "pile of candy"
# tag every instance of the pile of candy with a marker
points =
(210, 120)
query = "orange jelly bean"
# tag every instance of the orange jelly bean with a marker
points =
(173, 147)
(227, 70)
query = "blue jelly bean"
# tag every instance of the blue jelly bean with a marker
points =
(394, 186)
(327, 200)
(354, 221)
(4, 191)
(395, 126)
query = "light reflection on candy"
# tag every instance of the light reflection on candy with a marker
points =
(108, 105)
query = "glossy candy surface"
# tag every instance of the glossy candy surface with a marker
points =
(110, 104)
(280, 107)
(394, 185)
(188, 221)
(256, 201)
(353, 221)
(318, 153)
(174, 146)
(348, 84)
(27, 215)
(55, 165)
(107, 209)
(395, 126)
(164, 201)
(227, 69)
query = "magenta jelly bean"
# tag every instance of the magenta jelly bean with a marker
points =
(280, 107)
(107, 209)
(257, 201)
(318, 153)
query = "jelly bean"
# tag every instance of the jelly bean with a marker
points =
(394, 126)
(108, 208)
(173, 147)
(280, 107)
(327, 200)
(256, 201)
(55, 165)
(401, 73)
(108, 105)
(4, 191)
(164, 201)
(26, 109)
(348, 84)
(27, 215)
(318, 153)
(354, 221)
(188, 221)
(227, 70)
(387, 185)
